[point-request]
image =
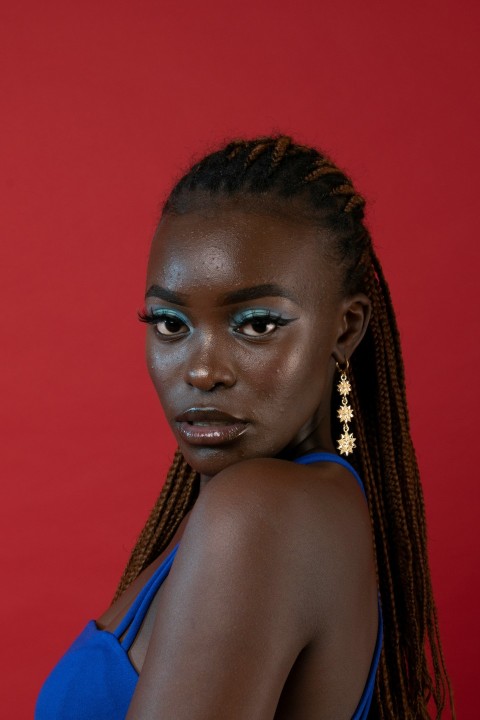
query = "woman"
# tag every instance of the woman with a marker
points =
(270, 580)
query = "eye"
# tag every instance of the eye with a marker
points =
(258, 323)
(167, 323)
(254, 328)
(170, 326)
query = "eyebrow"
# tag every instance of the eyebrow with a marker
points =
(230, 298)
(258, 291)
(168, 295)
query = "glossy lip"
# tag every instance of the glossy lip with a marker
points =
(217, 427)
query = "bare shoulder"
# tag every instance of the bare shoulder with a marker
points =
(288, 517)
(259, 495)
(268, 494)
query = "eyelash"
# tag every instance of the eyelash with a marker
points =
(150, 317)
(237, 322)
(264, 316)
(155, 318)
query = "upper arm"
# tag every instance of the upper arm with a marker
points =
(229, 625)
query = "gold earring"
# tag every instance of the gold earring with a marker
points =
(346, 442)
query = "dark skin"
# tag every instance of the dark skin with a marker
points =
(270, 608)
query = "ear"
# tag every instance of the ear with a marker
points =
(355, 315)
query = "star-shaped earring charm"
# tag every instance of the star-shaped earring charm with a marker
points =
(344, 386)
(345, 413)
(346, 443)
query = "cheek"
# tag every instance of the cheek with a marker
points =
(300, 382)
(291, 380)
(278, 375)
(163, 367)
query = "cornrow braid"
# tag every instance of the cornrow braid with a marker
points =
(276, 167)
(255, 152)
(355, 201)
(279, 151)
(322, 169)
(234, 148)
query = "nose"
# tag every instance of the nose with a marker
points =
(210, 366)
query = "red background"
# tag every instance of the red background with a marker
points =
(102, 105)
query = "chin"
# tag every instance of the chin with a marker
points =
(209, 461)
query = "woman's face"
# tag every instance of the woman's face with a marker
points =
(247, 312)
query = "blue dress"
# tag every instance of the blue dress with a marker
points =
(95, 679)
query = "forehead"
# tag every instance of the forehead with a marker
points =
(225, 247)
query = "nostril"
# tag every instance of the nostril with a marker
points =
(205, 385)
(208, 379)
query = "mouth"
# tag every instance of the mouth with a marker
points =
(209, 426)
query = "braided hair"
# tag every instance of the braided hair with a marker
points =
(276, 168)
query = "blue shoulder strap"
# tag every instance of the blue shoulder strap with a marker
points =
(138, 609)
(361, 712)
(330, 457)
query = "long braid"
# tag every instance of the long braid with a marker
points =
(278, 168)
(176, 498)
(404, 577)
